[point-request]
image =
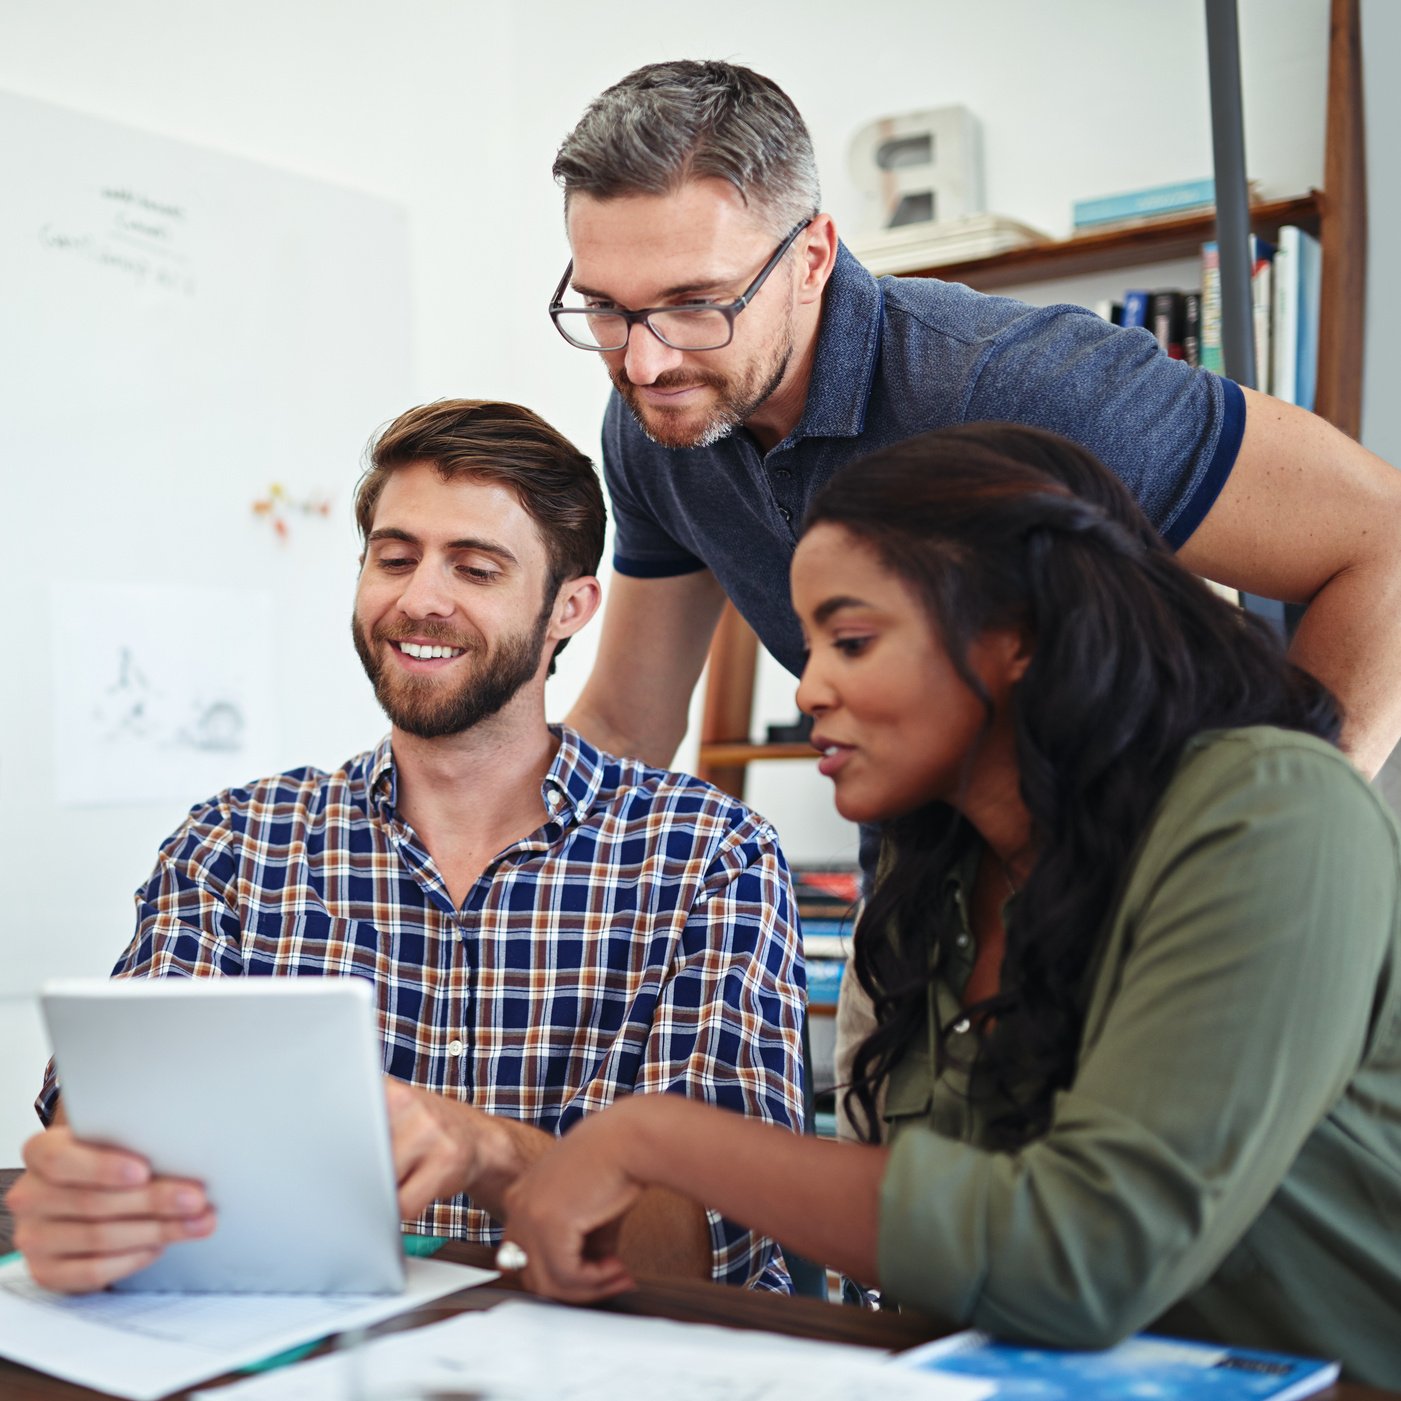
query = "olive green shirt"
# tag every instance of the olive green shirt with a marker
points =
(1227, 1162)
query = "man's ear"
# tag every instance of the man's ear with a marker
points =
(817, 256)
(576, 602)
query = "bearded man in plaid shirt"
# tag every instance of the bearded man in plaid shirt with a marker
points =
(547, 927)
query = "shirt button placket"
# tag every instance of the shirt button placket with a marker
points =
(781, 488)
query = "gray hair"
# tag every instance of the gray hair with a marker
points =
(668, 123)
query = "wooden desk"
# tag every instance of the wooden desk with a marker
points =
(684, 1300)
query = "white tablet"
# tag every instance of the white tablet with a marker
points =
(267, 1090)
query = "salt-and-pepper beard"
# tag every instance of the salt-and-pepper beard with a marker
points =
(737, 401)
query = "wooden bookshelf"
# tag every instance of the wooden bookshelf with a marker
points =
(1147, 241)
(747, 753)
(1337, 215)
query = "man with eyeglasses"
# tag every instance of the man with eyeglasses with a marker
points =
(752, 356)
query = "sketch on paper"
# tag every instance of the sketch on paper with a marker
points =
(160, 692)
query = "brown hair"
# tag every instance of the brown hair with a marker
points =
(554, 482)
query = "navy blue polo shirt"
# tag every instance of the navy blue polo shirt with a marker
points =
(898, 356)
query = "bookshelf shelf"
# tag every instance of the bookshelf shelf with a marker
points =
(742, 752)
(1146, 242)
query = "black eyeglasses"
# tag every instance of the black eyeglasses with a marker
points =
(688, 326)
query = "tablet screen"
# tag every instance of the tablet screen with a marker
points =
(267, 1090)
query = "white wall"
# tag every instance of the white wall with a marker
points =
(455, 109)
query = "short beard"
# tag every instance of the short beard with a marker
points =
(413, 704)
(737, 402)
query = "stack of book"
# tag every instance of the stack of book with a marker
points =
(827, 896)
(928, 245)
(1158, 202)
(1284, 283)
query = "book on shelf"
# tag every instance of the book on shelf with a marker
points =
(824, 938)
(1262, 257)
(1310, 288)
(1295, 352)
(824, 976)
(1211, 356)
(1147, 206)
(1181, 197)
(1164, 1368)
(1192, 328)
(1167, 319)
(1262, 260)
(927, 245)
(826, 892)
(1284, 351)
(1135, 308)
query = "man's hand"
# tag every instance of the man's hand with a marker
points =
(442, 1148)
(85, 1216)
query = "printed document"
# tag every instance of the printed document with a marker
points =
(142, 1346)
(521, 1351)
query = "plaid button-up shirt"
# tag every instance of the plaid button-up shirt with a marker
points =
(643, 939)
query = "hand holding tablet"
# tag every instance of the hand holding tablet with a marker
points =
(265, 1092)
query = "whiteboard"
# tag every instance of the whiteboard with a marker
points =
(181, 332)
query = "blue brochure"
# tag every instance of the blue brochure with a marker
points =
(1163, 1368)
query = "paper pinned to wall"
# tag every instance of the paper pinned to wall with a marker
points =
(159, 693)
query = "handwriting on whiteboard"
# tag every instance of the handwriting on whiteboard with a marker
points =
(133, 235)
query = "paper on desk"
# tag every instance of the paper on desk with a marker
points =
(522, 1351)
(146, 1345)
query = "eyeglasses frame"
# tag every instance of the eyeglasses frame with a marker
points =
(729, 310)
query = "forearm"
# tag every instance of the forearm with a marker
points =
(664, 1234)
(820, 1198)
(1350, 638)
(1310, 516)
(656, 633)
(651, 737)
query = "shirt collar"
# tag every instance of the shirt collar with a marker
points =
(574, 778)
(570, 786)
(848, 345)
(381, 783)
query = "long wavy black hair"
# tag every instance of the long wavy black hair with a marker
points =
(999, 526)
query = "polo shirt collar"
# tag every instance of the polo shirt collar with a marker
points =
(848, 346)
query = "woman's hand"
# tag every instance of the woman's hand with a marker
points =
(565, 1212)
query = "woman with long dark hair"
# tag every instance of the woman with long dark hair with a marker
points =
(1134, 950)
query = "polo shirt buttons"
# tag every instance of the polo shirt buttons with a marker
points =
(782, 472)
(785, 513)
